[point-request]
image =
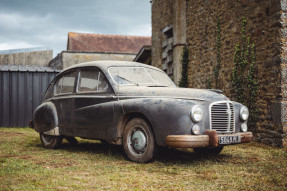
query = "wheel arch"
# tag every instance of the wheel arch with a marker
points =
(129, 116)
(45, 117)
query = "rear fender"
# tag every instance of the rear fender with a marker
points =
(45, 119)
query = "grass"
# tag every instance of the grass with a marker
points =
(26, 165)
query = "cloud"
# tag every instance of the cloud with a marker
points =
(47, 23)
(16, 45)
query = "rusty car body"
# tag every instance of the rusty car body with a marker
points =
(139, 107)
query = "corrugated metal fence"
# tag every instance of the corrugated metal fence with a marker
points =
(21, 91)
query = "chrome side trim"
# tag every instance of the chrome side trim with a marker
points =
(114, 97)
(82, 96)
(188, 98)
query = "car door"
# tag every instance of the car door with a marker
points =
(94, 105)
(63, 100)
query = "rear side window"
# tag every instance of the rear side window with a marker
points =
(65, 84)
(93, 81)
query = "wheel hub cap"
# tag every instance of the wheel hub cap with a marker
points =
(139, 141)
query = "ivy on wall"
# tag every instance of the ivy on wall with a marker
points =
(184, 71)
(244, 83)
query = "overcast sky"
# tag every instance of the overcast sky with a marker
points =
(46, 23)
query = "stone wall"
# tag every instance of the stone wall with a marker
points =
(68, 58)
(162, 16)
(266, 26)
(57, 62)
(283, 76)
(169, 35)
(27, 58)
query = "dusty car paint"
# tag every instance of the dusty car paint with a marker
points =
(104, 116)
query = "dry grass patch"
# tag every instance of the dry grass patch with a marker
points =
(26, 165)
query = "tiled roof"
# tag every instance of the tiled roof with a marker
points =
(106, 43)
(26, 68)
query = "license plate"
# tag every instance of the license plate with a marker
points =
(226, 140)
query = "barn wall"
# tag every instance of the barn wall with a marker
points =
(20, 94)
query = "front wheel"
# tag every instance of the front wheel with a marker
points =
(50, 141)
(208, 151)
(138, 140)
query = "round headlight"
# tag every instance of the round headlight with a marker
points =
(195, 130)
(243, 127)
(196, 113)
(244, 113)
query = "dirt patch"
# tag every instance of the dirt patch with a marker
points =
(16, 156)
(10, 134)
(7, 156)
(25, 157)
(59, 163)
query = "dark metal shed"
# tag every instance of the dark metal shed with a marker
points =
(21, 90)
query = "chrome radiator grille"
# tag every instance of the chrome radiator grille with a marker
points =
(222, 117)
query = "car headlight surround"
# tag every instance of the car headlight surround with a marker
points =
(196, 113)
(244, 113)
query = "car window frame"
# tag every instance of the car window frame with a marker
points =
(111, 90)
(122, 85)
(60, 77)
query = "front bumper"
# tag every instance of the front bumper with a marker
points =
(210, 139)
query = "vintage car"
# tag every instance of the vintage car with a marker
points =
(139, 107)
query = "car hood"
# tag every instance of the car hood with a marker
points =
(176, 93)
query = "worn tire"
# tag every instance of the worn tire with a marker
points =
(138, 141)
(208, 151)
(50, 141)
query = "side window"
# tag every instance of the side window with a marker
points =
(65, 84)
(93, 81)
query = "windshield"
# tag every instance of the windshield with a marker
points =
(140, 76)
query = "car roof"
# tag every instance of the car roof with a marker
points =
(105, 64)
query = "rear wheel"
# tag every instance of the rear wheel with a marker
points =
(50, 141)
(138, 140)
(208, 151)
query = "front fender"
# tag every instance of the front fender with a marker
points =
(167, 116)
(45, 117)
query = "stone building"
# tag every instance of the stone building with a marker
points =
(83, 47)
(176, 23)
(27, 56)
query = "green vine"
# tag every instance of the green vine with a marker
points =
(209, 84)
(184, 71)
(218, 51)
(242, 75)
(253, 88)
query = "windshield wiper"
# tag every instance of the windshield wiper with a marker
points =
(127, 80)
(157, 85)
